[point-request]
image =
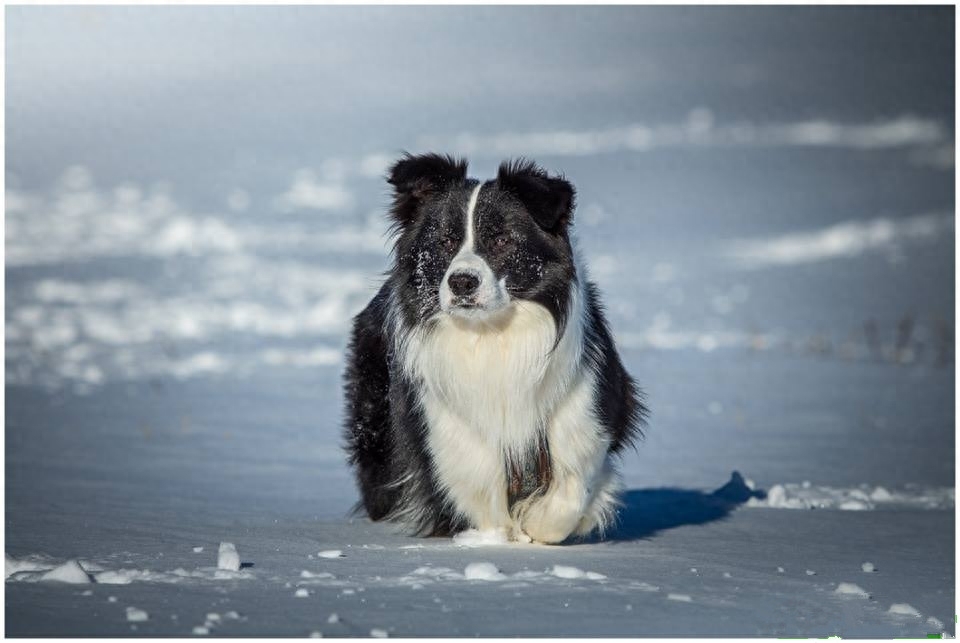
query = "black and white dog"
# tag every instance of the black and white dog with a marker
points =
(483, 388)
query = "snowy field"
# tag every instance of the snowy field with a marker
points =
(765, 199)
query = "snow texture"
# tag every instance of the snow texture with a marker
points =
(136, 615)
(482, 571)
(227, 557)
(851, 589)
(481, 538)
(904, 609)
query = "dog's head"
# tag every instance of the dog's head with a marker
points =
(473, 250)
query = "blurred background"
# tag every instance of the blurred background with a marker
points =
(195, 209)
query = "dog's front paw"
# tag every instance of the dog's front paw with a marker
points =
(551, 518)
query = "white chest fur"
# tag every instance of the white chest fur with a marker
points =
(486, 394)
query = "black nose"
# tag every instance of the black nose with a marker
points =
(463, 283)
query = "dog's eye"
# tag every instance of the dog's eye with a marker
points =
(449, 244)
(501, 242)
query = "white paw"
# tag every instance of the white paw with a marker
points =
(551, 518)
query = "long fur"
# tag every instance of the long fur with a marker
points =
(448, 392)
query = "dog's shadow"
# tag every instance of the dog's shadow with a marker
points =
(648, 511)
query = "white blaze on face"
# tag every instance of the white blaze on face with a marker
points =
(491, 295)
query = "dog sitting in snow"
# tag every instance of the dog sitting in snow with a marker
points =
(483, 388)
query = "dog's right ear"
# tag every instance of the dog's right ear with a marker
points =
(416, 177)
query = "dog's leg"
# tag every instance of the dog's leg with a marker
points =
(578, 453)
(468, 469)
(603, 503)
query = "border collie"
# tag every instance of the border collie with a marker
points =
(483, 388)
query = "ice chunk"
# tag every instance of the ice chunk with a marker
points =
(302, 593)
(565, 571)
(852, 589)
(868, 568)
(199, 630)
(683, 598)
(136, 615)
(197, 550)
(25, 565)
(904, 609)
(331, 553)
(377, 633)
(316, 634)
(333, 618)
(228, 558)
(481, 538)
(69, 572)
(482, 571)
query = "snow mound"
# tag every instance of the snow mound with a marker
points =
(228, 558)
(481, 538)
(29, 564)
(331, 553)
(482, 571)
(69, 572)
(860, 498)
(904, 609)
(851, 589)
(564, 571)
(136, 615)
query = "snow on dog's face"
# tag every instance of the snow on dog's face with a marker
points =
(471, 250)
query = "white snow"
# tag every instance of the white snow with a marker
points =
(852, 589)
(69, 572)
(904, 609)
(683, 598)
(564, 571)
(308, 574)
(377, 633)
(200, 630)
(213, 617)
(810, 572)
(935, 623)
(316, 634)
(197, 550)
(302, 593)
(333, 618)
(331, 553)
(227, 558)
(136, 615)
(482, 571)
(868, 567)
(860, 498)
(13, 566)
(481, 538)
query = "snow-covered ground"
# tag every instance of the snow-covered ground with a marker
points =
(778, 273)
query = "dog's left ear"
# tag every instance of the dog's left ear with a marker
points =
(548, 199)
